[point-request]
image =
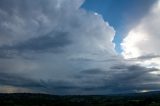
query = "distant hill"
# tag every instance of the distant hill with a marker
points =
(132, 99)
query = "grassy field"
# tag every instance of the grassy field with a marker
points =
(146, 99)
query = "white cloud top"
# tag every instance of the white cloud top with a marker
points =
(144, 39)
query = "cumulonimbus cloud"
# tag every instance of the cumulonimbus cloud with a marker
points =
(55, 46)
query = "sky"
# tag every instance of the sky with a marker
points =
(79, 47)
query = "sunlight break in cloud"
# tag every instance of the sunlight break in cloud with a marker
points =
(144, 39)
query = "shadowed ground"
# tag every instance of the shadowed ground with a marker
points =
(24, 99)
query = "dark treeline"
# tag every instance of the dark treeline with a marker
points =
(25, 99)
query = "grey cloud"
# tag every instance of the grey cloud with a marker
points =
(58, 41)
(61, 87)
(132, 72)
(53, 42)
(52, 87)
(43, 29)
(129, 79)
(93, 71)
(17, 80)
(134, 77)
(5, 54)
(145, 57)
(119, 79)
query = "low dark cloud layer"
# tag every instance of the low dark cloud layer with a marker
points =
(16, 80)
(146, 57)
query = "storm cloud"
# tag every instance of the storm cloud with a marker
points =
(57, 47)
